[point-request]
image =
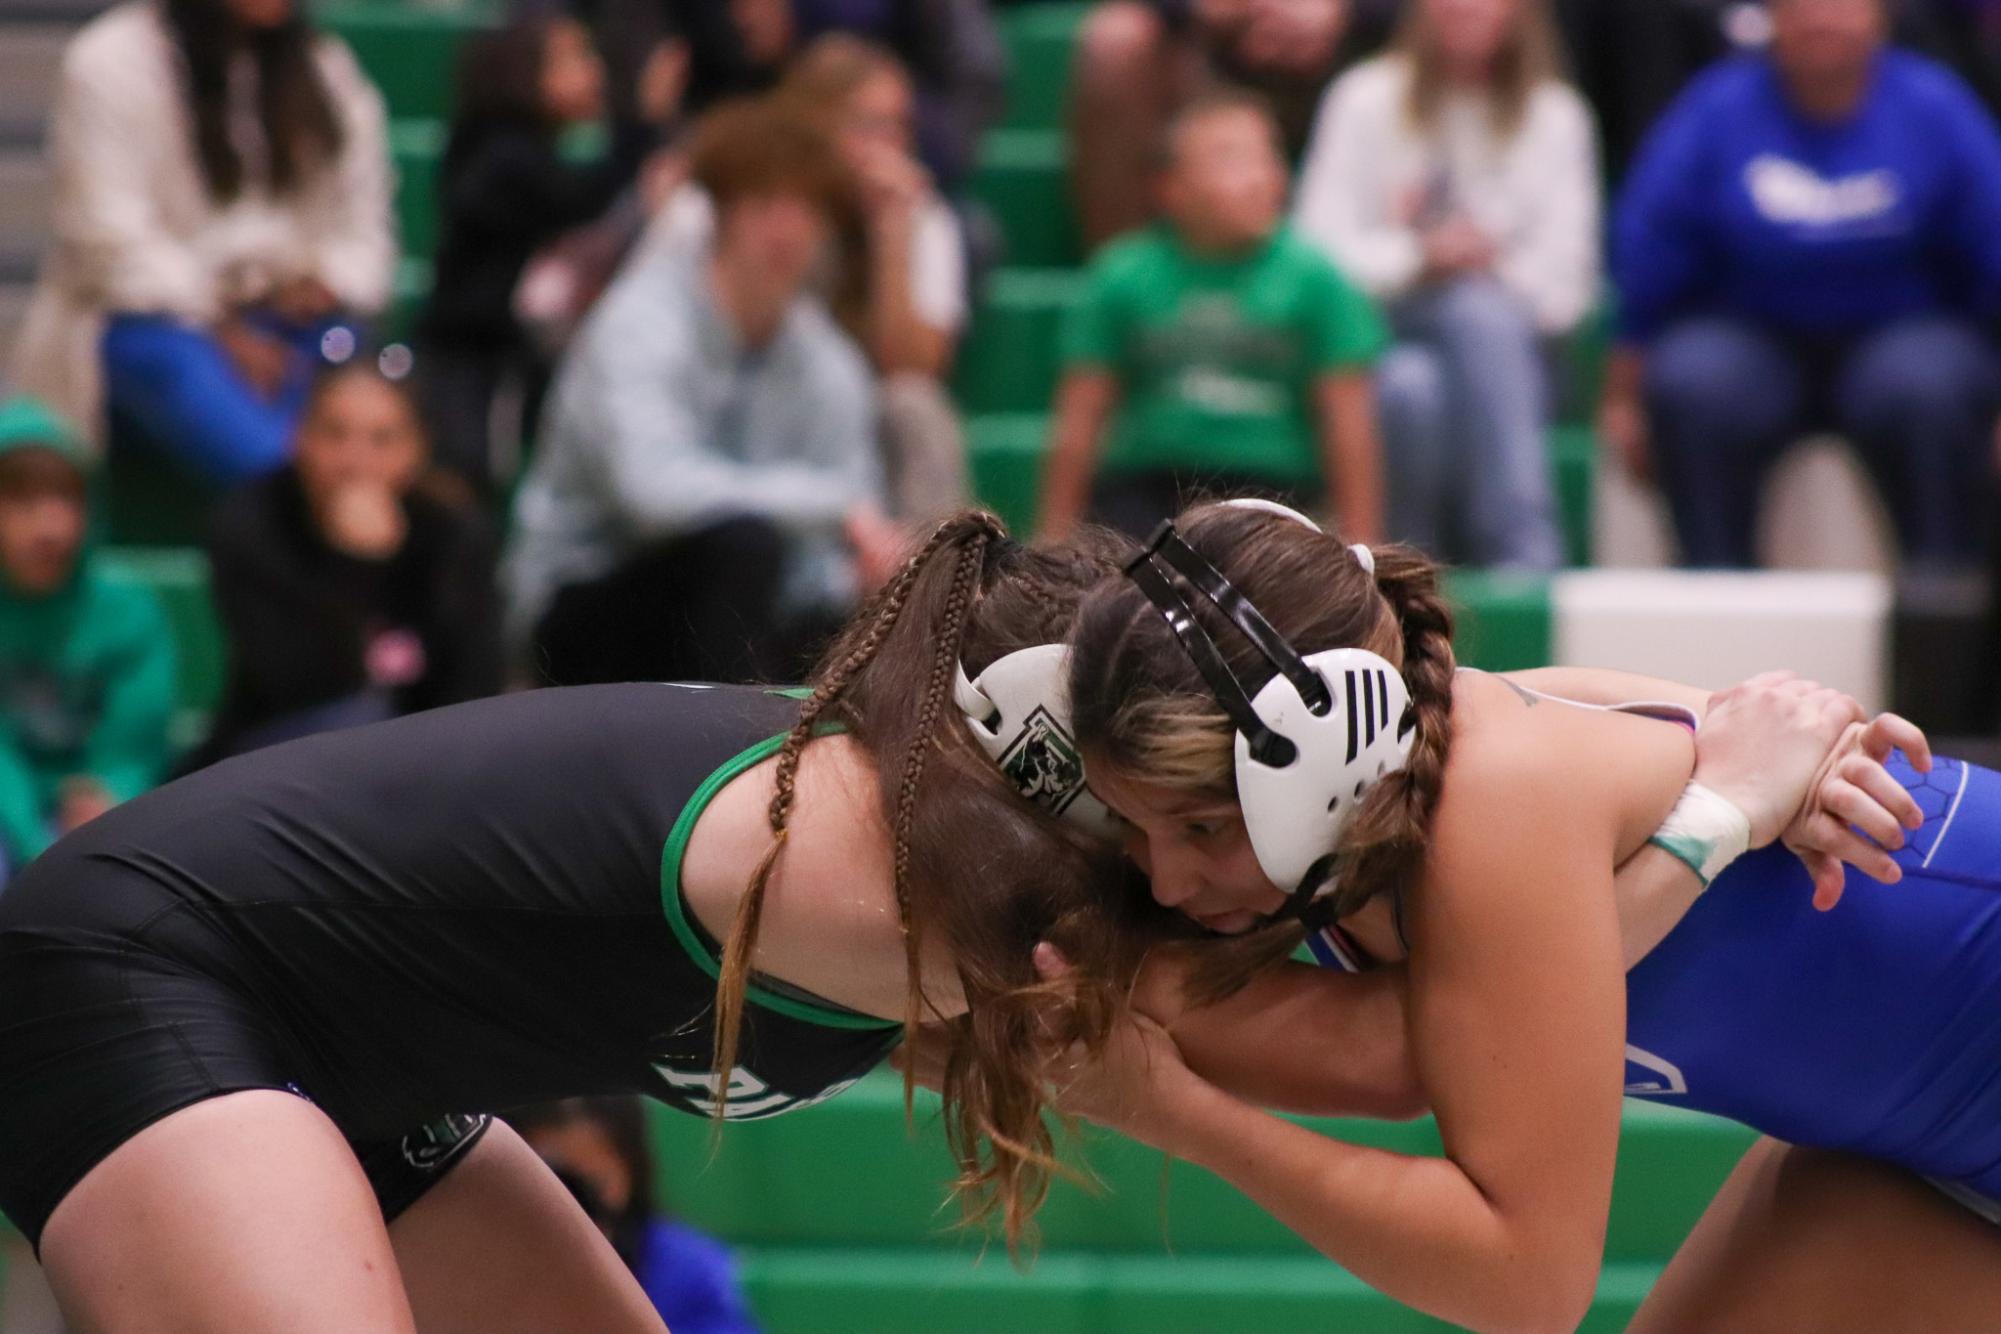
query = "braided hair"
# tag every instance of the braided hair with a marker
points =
(977, 867)
(849, 657)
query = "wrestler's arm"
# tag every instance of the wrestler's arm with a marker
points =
(1781, 749)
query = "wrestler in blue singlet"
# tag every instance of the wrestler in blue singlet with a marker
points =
(1874, 1028)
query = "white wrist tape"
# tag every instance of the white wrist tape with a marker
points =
(1704, 830)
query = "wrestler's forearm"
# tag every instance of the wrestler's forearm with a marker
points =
(1655, 889)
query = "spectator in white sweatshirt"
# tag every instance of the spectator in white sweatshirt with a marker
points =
(222, 204)
(1455, 180)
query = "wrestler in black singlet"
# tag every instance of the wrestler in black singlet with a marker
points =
(411, 924)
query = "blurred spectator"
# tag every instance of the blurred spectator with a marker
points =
(506, 192)
(705, 500)
(222, 206)
(741, 47)
(1455, 180)
(86, 661)
(348, 593)
(1224, 352)
(1138, 61)
(1632, 59)
(953, 53)
(900, 291)
(597, 1148)
(1809, 241)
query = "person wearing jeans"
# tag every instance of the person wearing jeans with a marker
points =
(1455, 179)
(1812, 240)
(222, 210)
(1915, 397)
(1468, 385)
(183, 390)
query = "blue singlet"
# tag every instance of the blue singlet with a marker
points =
(1874, 1028)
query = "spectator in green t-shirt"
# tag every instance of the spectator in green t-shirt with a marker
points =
(1216, 351)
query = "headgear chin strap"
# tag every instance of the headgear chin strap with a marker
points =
(1019, 712)
(1309, 746)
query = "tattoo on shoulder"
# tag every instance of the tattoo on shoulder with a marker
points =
(1526, 695)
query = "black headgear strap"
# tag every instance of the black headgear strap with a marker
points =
(1168, 548)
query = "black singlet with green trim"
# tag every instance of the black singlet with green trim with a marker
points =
(460, 910)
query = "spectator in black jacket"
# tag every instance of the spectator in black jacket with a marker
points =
(348, 591)
(507, 192)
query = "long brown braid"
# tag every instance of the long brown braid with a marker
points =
(880, 618)
(977, 867)
(951, 643)
(1384, 850)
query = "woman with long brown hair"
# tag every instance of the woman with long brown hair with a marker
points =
(222, 207)
(1455, 180)
(250, 1023)
(1279, 721)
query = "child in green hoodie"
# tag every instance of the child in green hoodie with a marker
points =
(86, 662)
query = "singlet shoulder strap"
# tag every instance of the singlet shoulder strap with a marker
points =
(1666, 711)
(706, 952)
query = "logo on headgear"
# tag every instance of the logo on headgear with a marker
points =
(1044, 763)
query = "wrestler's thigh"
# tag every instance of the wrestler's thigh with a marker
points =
(499, 1245)
(1802, 1239)
(245, 1212)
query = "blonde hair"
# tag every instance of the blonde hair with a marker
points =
(833, 68)
(1530, 57)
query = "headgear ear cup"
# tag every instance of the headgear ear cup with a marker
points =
(1019, 713)
(1296, 814)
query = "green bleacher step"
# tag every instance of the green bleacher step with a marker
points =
(839, 1290)
(1039, 39)
(1022, 179)
(406, 302)
(1502, 622)
(418, 146)
(148, 500)
(410, 51)
(1007, 450)
(1010, 357)
(179, 577)
(1573, 454)
(848, 1173)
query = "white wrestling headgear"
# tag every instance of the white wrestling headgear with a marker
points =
(1317, 736)
(1019, 713)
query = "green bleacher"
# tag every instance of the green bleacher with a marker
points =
(838, 1212)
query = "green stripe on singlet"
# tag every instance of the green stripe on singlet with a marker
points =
(676, 906)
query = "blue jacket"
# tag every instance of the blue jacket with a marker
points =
(1739, 205)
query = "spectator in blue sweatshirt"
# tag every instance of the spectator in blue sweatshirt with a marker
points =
(1811, 239)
